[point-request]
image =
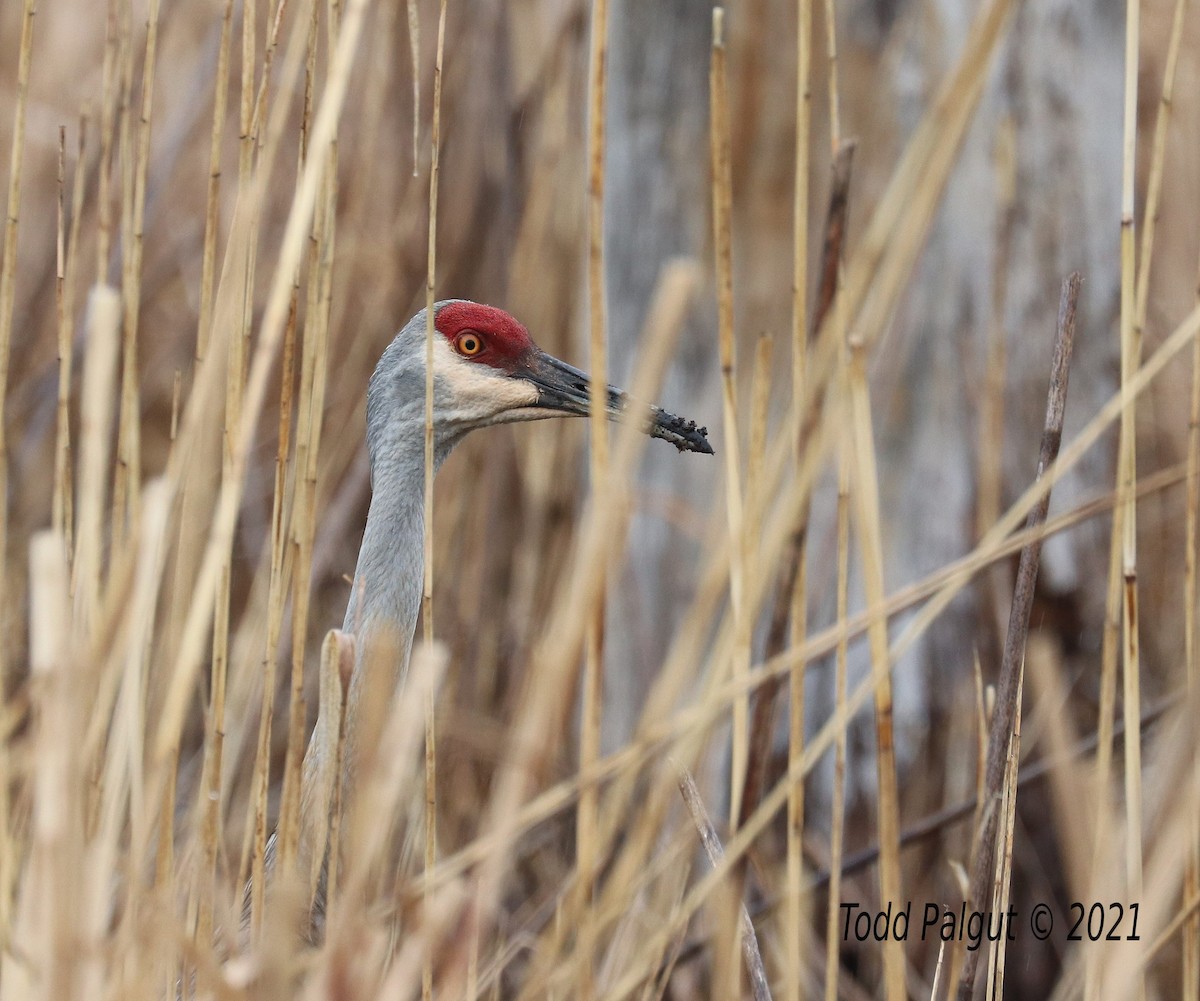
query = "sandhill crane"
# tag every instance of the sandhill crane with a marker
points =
(487, 370)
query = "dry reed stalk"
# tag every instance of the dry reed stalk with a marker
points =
(209, 793)
(711, 841)
(309, 419)
(1001, 883)
(799, 596)
(1151, 209)
(865, 488)
(761, 731)
(108, 110)
(760, 401)
(1007, 709)
(1123, 965)
(208, 804)
(427, 594)
(95, 418)
(62, 442)
(837, 807)
(128, 472)
(721, 167)
(331, 846)
(990, 465)
(414, 51)
(233, 308)
(123, 774)
(1131, 349)
(831, 57)
(281, 565)
(246, 105)
(8, 272)
(47, 924)
(212, 203)
(592, 696)
(1191, 940)
(1050, 688)
(722, 207)
(1140, 306)
(255, 837)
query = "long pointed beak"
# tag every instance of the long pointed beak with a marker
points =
(565, 389)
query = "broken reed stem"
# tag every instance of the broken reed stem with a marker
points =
(722, 202)
(435, 142)
(592, 699)
(715, 852)
(1011, 668)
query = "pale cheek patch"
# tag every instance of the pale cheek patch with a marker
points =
(480, 393)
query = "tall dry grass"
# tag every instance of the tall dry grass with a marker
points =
(218, 213)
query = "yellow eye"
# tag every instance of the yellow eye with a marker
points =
(468, 344)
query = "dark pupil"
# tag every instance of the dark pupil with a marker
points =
(469, 344)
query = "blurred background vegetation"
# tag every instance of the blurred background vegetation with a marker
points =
(961, 234)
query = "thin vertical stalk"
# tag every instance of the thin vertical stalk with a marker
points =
(109, 88)
(722, 199)
(793, 969)
(8, 271)
(212, 202)
(62, 443)
(831, 54)
(865, 482)
(1008, 688)
(1157, 159)
(427, 594)
(1127, 477)
(127, 484)
(8, 267)
(414, 50)
(310, 404)
(837, 807)
(1191, 880)
(592, 705)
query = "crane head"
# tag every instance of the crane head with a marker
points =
(487, 370)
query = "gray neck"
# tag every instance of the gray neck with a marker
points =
(388, 579)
